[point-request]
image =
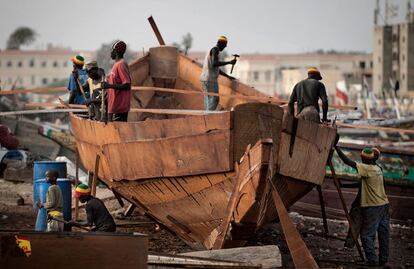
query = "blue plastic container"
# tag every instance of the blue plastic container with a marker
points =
(40, 188)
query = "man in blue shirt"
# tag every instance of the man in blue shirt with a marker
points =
(76, 95)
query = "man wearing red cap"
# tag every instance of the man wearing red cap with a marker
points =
(119, 85)
(211, 71)
(307, 94)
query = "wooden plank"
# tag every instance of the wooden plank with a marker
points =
(95, 175)
(310, 152)
(176, 156)
(99, 133)
(301, 256)
(85, 250)
(252, 122)
(379, 128)
(156, 31)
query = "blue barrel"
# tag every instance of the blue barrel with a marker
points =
(40, 188)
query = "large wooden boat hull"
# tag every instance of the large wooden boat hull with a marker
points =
(205, 177)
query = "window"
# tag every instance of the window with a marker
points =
(44, 64)
(44, 81)
(55, 64)
(256, 75)
(268, 75)
(20, 64)
(403, 76)
(9, 64)
(371, 64)
(31, 63)
(362, 64)
(55, 80)
(394, 56)
(394, 37)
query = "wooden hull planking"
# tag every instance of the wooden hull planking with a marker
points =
(184, 171)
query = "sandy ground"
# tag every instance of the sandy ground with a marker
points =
(328, 251)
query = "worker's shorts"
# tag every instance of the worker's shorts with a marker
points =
(210, 102)
(54, 225)
(309, 113)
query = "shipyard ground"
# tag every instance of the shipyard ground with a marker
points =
(328, 251)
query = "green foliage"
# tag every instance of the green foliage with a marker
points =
(186, 43)
(20, 37)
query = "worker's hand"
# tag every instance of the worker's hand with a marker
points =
(105, 85)
(326, 121)
(233, 62)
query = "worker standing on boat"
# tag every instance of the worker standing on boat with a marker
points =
(97, 102)
(119, 85)
(96, 213)
(211, 71)
(77, 79)
(374, 206)
(54, 202)
(307, 94)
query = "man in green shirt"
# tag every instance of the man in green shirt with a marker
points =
(374, 206)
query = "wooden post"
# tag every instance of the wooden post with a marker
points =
(76, 184)
(322, 202)
(129, 210)
(301, 256)
(338, 188)
(156, 31)
(95, 175)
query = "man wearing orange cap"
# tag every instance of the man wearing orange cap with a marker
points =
(211, 71)
(374, 205)
(307, 94)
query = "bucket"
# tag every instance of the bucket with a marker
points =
(40, 187)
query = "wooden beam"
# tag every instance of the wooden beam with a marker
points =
(95, 175)
(39, 90)
(322, 203)
(301, 256)
(129, 210)
(40, 111)
(156, 31)
(378, 128)
(76, 184)
(348, 217)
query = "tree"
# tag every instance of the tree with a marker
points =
(21, 36)
(103, 56)
(186, 43)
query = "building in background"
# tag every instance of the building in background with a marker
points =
(393, 55)
(36, 68)
(276, 74)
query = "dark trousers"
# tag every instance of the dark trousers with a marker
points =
(375, 219)
(118, 116)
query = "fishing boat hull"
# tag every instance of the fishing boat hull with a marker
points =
(204, 177)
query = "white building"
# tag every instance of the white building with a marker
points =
(36, 68)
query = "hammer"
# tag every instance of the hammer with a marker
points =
(235, 57)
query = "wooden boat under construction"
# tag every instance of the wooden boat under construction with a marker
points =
(203, 177)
